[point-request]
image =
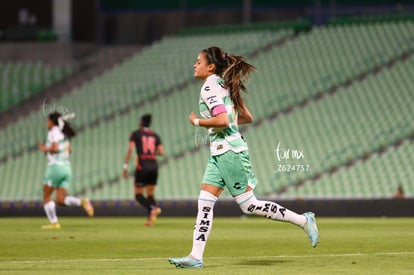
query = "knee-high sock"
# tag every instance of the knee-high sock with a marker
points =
(271, 210)
(143, 201)
(50, 210)
(152, 201)
(204, 223)
(72, 201)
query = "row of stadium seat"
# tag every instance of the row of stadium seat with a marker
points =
(159, 68)
(175, 181)
(121, 87)
(98, 151)
(21, 178)
(323, 58)
(20, 80)
(358, 20)
(360, 118)
(330, 132)
(163, 66)
(378, 177)
(301, 25)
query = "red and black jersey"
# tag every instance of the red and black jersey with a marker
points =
(146, 143)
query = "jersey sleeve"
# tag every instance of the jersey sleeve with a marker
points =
(210, 96)
(158, 140)
(132, 137)
(54, 136)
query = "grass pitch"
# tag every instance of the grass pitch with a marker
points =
(236, 246)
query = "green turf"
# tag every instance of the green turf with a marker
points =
(236, 246)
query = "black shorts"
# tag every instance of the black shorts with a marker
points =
(146, 177)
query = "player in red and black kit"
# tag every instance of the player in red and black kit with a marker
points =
(147, 145)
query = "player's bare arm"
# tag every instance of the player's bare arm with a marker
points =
(130, 149)
(220, 120)
(52, 149)
(160, 150)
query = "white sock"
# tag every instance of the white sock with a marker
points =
(72, 201)
(50, 209)
(204, 223)
(271, 210)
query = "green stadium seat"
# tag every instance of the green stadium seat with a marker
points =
(332, 130)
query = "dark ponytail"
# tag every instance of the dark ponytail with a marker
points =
(67, 129)
(233, 69)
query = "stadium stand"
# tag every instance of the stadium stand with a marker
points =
(324, 58)
(348, 125)
(342, 94)
(124, 87)
(378, 177)
(20, 80)
(108, 95)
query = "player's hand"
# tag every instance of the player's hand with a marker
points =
(42, 147)
(125, 173)
(191, 118)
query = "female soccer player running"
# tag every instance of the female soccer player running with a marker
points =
(222, 108)
(59, 172)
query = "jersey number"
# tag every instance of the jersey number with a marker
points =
(148, 145)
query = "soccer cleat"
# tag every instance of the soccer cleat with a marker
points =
(51, 226)
(311, 228)
(186, 262)
(87, 206)
(153, 216)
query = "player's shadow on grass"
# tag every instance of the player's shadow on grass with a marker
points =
(264, 262)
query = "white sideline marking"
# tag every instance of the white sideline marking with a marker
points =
(241, 257)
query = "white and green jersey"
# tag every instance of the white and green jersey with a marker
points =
(62, 156)
(215, 99)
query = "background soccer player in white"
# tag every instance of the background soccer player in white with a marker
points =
(59, 172)
(222, 108)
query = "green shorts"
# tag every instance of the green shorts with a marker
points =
(58, 176)
(232, 170)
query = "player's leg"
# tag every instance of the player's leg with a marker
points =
(202, 228)
(155, 210)
(65, 200)
(140, 198)
(250, 205)
(139, 189)
(151, 180)
(51, 179)
(271, 210)
(62, 198)
(49, 206)
(210, 192)
(150, 191)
